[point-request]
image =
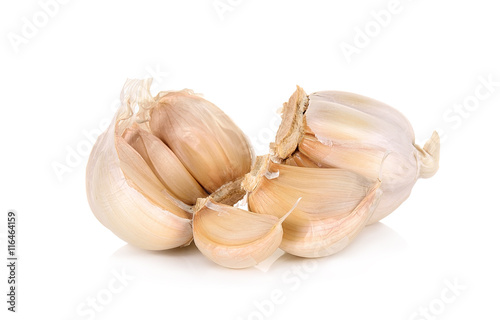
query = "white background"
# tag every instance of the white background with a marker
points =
(63, 79)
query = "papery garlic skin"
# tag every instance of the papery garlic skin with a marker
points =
(119, 206)
(344, 130)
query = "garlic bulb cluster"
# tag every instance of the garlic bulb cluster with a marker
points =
(333, 129)
(170, 169)
(158, 156)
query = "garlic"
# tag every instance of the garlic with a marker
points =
(336, 204)
(148, 168)
(170, 168)
(204, 138)
(165, 164)
(233, 237)
(333, 129)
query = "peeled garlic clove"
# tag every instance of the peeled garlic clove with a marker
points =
(349, 131)
(232, 237)
(119, 202)
(335, 204)
(206, 140)
(165, 165)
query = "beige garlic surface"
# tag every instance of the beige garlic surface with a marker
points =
(335, 204)
(233, 237)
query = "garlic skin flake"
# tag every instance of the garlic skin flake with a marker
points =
(334, 129)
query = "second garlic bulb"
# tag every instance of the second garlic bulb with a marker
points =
(334, 129)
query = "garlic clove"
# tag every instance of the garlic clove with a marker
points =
(335, 205)
(347, 132)
(165, 165)
(140, 176)
(206, 140)
(314, 237)
(369, 106)
(352, 118)
(119, 201)
(324, 191)
(232, 237)
(393, 168)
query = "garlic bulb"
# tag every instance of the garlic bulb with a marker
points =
(170, 168)
(156, 158)
(335, 204)
(233, 237)
(333, 129)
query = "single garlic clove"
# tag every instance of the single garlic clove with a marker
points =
(319, 237)
(140, 176)
(165, 165)
(369, 106)
(335, 205)
(232, 237)
(351, 118)
(205, 139)
(119, 201)
(345, 130)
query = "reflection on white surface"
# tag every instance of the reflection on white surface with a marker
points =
(253, 293)
(374, 241)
